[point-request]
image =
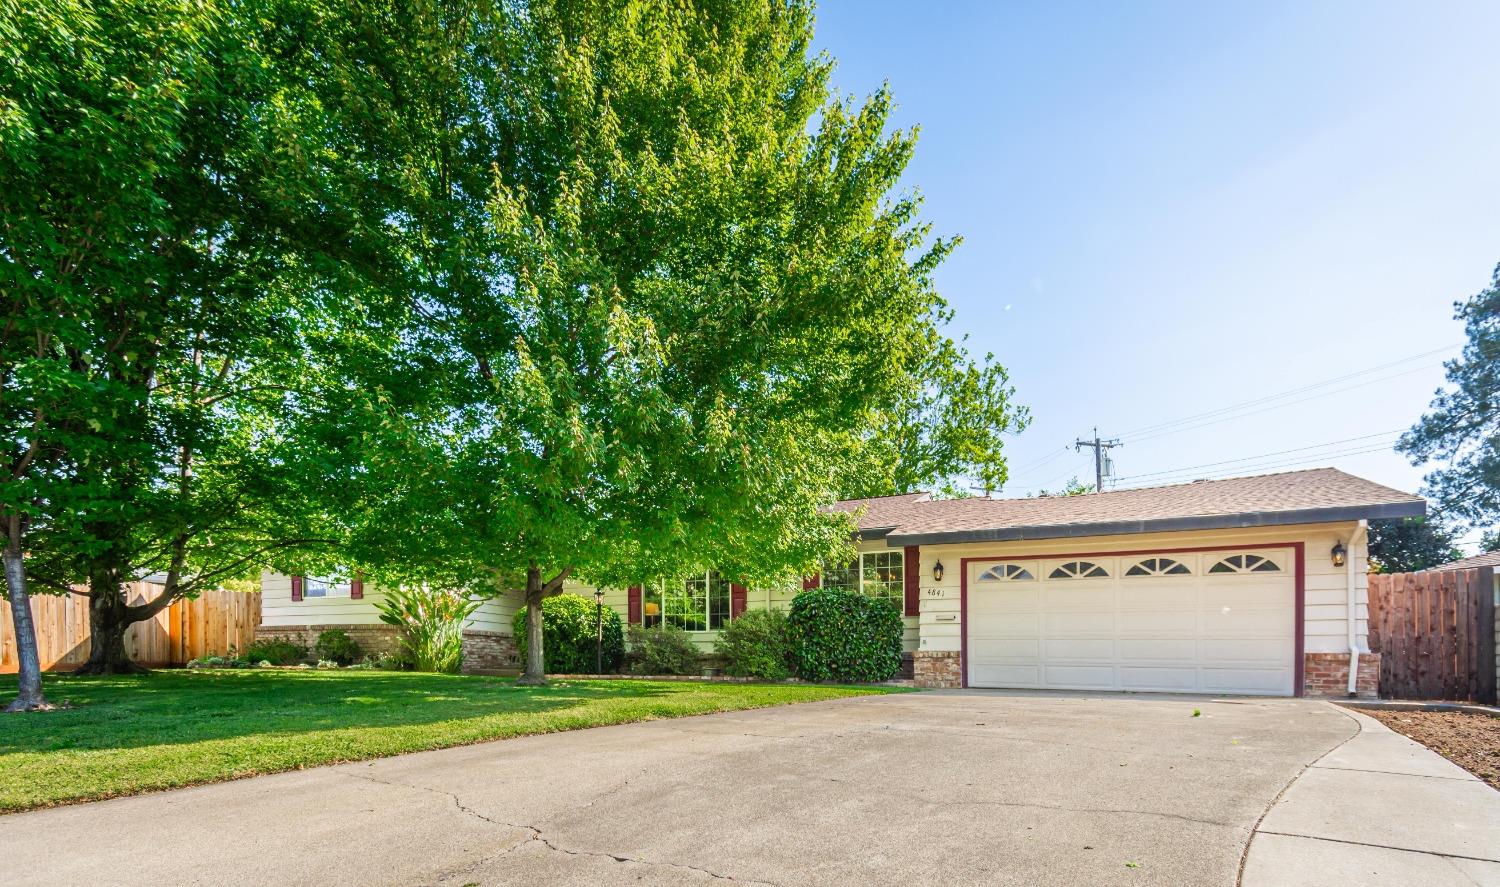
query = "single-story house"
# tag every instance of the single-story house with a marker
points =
(1250, 585)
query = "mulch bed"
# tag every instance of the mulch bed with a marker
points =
(1471, 741)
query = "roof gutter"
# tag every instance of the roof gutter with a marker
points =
(1333, 514)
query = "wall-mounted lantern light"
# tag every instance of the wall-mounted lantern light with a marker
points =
(1338, 554)
(937, 572)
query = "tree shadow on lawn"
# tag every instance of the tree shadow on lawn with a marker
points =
(180, 707)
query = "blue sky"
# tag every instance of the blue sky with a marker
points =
(1170, 209)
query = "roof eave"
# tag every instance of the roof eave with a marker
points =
(1164, 525)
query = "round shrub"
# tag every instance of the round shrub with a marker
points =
(757, 644)
(568, 634)
(276, 650)
(844, 636)
(335, 645)
(663, 650)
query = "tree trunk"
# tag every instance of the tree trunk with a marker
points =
(535, 674)
(109, 617)
(30, 697)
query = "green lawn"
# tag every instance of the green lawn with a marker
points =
(172, 728)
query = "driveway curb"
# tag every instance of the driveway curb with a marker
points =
(1378, 808)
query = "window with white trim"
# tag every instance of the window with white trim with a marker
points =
(325, 586)
(699, 602)
(845, 578)
(1006, 573)
(882, 575)
(1159, 566)
(1078, 570)
(879, 574)
(1245, 563)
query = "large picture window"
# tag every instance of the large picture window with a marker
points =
(879, 574)
(697, 603)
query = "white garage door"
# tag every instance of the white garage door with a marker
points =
(1208, 622)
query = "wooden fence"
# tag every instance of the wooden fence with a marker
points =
(1435, 633)
(214, 622)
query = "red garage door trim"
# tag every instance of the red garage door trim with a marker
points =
(1300, 619)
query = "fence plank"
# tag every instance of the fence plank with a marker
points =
(1435, 634)
(175, 635)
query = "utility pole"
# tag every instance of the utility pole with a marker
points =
(1100, 447)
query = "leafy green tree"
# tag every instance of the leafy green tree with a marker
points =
(1074, 487)
(1406, 545)
(944, 432)
(1462, 426)
(1490, 541)
(185, 248)
(662, 275)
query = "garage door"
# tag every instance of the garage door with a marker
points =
(1208, 622)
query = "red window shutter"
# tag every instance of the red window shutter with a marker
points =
(810, 582)
(357, 587)
(635, 605)
(296, 588)
(737, 600)
(911, 574)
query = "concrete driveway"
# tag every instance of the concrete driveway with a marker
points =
(961, 787)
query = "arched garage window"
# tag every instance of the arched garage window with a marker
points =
(1245, 563)
(1159, 566)
(1078, 570)
(1005, 573)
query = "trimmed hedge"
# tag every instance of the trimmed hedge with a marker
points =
(844, 636)
(277, 651)
(757, 644)
(663, 650)
(569, 623)
(335, 645)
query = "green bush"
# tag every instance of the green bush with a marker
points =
(757, 644)
(569, 626)
(277, 651)
(432, 623)
(663, 650)
(844, 636)
(335, 645)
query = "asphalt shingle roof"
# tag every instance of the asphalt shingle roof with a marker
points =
(1488, 559)
(1312, 496)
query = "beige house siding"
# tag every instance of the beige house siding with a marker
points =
(1324, 609)
(278, 608)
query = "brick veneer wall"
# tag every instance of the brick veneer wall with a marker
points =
(937, 669)
(489, 651)
(484, 651)
(373, 639)
(1327, 675)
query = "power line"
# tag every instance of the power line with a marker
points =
(1071, 472)
(1270, 466)
(1270, 397)
(1101, 450)
(1278, 406)
(1032, 466)
(1260, 456)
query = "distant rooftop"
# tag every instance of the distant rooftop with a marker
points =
(1488, 559)
(1312, 496)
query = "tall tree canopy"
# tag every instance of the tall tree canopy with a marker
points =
(944, 432)
(1406, 545)
(1462, 426)
(184, 246)
(663, 274)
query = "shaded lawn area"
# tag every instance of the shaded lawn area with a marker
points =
(137, 733)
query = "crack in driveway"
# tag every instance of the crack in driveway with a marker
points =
(535, 835)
